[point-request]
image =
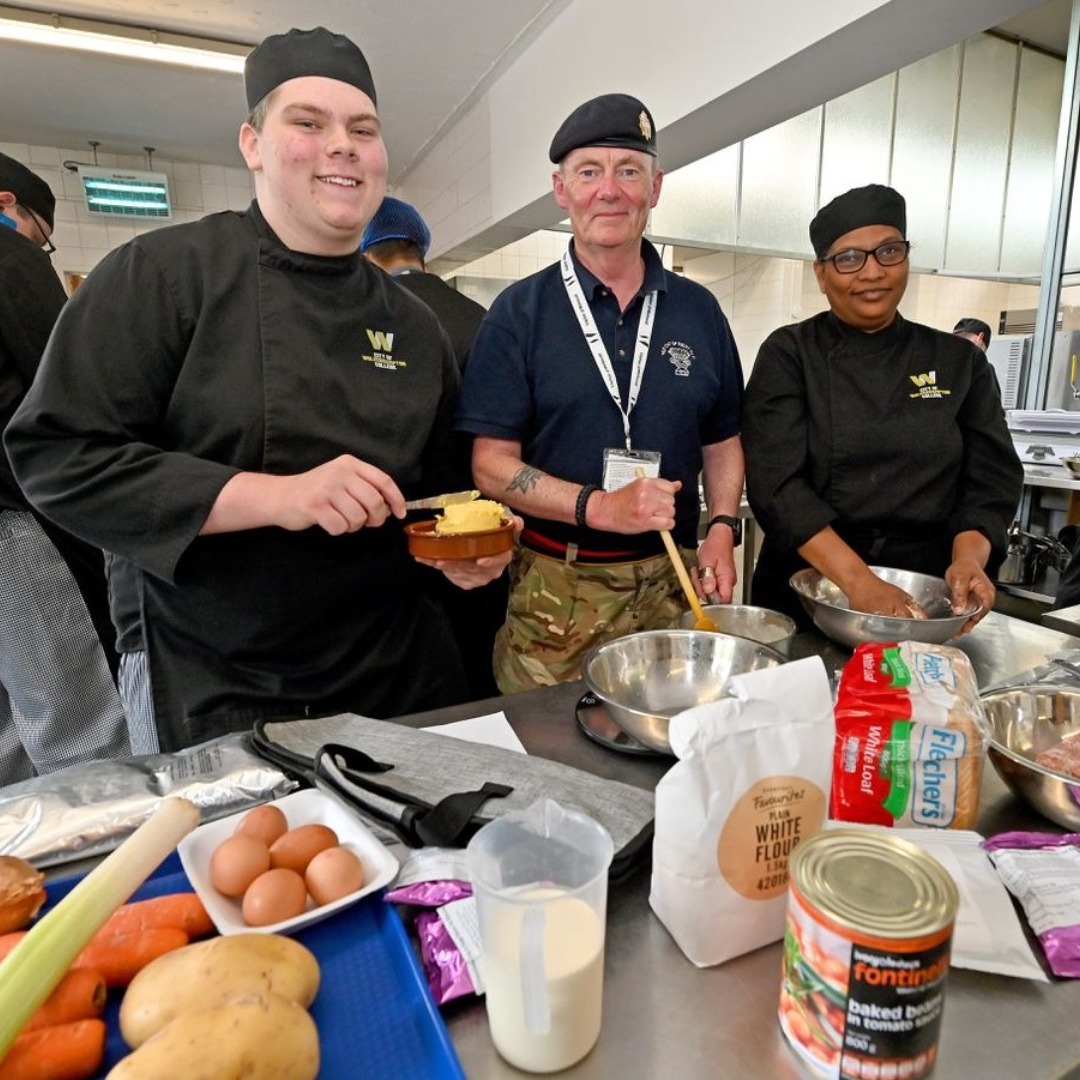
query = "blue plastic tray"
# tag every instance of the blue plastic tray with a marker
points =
(373, 1007)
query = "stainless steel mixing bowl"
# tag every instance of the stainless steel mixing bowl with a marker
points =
(827, 605)
(645, 678)
(1025, 721)
(744, 620)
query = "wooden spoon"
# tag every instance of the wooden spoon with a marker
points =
(701, 620)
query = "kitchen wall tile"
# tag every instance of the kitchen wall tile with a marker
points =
(91, 236)
(186, 171)
(188, 195)
(42, 155)
(215, 197)
(212, 174)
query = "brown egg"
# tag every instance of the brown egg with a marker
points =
(332, 874)
(236, 863)
(265, 823)
(299, 846)
(274, 897)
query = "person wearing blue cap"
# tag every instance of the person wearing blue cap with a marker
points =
(238, 408)
(58, 700)
(598, 390)
(872, 440)
(397, 240)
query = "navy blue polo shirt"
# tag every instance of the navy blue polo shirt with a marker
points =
(532, 379)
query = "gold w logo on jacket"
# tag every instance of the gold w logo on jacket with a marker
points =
(928, 378)
(381, 341)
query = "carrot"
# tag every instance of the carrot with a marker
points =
(120, 957)
(184, 911)
(79, 995)
(73, 1051)
(10, 940)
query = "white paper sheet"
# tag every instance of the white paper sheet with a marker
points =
(988, 935)
(492, 730)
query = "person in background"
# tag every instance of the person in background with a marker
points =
(598, 390)
(397, 240)
(58, 702)
(238, 408)
(871, 440)
(975, 330)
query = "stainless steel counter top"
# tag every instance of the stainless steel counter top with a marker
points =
(665, 1018)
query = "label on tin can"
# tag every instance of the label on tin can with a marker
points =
(857, 1007)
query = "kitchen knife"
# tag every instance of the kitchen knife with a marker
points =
(437, 502)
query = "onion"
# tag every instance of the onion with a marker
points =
(21, 893)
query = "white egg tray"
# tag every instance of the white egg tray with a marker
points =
(309, 807)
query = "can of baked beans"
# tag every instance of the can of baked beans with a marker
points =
(866, 955)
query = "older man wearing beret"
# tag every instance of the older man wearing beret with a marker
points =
(872, 440)
(598, 390)
(239, 408)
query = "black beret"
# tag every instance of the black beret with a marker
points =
(304, 52)
(608, 120)
(973, 326)
(28, 188)
(874, 204)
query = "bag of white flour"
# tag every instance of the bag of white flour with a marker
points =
(751, 783)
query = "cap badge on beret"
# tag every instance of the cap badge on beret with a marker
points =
(644, 125)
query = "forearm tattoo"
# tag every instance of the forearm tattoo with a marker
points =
(525, 479)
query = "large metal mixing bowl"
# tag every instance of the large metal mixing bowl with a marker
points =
(645, 678)
(1025, 721)
(744, 620)
(827, 605)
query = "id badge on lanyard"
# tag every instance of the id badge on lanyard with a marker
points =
(620, 464)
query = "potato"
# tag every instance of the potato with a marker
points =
(262, 1036)
(204, 974)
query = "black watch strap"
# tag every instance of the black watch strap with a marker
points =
(732, 523)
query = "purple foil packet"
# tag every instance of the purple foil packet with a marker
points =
(444, 964)
(429, 894)
(1042, 870)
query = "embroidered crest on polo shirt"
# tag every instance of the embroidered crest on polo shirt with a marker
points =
(382, 347)
(680, 355)
(926, 386)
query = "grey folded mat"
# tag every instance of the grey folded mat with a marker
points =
(436, 790)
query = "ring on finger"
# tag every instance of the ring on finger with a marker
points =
(706, 571)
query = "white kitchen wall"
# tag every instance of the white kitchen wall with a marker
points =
(82, 239)
(760, 292)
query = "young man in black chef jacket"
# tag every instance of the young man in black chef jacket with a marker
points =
(238, 409)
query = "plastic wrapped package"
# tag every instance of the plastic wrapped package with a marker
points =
(87, 810)
(910, 737)
(1042, 870)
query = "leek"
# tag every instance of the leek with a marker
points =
(39, 961)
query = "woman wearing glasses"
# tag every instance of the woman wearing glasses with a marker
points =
(871, 440)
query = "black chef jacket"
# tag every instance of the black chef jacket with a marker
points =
(896, 439)
(201, 350)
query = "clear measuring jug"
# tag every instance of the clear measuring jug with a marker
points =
(540, 880)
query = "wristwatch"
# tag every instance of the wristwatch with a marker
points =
(733, 523)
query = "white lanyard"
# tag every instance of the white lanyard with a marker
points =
(596, 345)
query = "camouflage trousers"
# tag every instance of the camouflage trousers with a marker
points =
(558, 610)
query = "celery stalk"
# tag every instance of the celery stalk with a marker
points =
(39, 961)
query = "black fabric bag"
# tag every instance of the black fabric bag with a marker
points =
(435, 790)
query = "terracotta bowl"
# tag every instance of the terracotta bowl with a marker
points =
(425, 543)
